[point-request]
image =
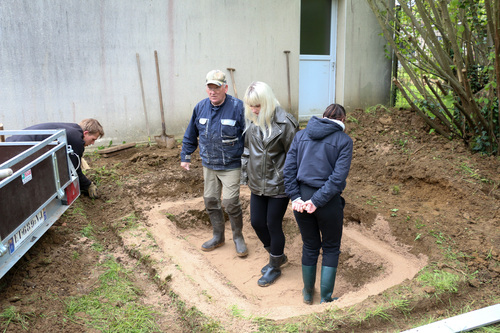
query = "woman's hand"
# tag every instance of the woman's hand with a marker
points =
(298, 205)
(309, 207)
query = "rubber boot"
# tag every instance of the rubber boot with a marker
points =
(264, 269)
(217, 220)
(233, 209)
(239, 241)
(309, 278)
(273, 272)
(328, 275)
(283, 261)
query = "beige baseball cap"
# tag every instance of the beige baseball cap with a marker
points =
(216, 77)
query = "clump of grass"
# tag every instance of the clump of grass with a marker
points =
(88, 231)
(395, 190)
(12, 315)
(131, 221)
(194, 318)
(352, 119)
(374, 108)
(473, 173)
(442, 281)
(236, 311)
(74, 210)
(114, 305)
(104, 173)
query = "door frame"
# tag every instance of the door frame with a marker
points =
(332, 58)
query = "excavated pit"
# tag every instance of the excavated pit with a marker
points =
(219, 282)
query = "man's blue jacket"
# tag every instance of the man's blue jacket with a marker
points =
(220, 133)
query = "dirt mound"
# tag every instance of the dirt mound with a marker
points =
(413, 199)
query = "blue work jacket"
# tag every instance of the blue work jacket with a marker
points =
(218, 130)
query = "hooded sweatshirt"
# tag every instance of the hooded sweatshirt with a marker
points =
(319, 157)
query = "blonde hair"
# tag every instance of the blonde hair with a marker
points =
(260, 93)
(92, 126)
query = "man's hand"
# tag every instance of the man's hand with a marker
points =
(93, 191)
(185, 165)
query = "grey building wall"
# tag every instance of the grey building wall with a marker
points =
(65, 60)
(363, 70)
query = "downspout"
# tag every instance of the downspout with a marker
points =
(395, 62)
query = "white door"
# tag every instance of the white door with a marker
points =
(317, 56)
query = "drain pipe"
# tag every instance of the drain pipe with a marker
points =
(464, 322)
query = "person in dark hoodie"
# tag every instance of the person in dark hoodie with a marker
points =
(316, 168)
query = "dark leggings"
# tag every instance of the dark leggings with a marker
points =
(266, 216)
(321, 230)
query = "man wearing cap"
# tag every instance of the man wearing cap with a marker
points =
(217, 125)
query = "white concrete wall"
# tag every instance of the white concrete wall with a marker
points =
(363, 70)
(65, 60)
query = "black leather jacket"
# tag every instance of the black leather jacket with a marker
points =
(263, 160)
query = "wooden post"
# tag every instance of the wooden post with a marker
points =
(2, 138)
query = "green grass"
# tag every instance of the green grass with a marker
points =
(194, 318)
(131, 221)
(442, 281)
(11, 315)
(89, 232)
(371, 109)
(469, 171)
(75, 210)
(114, 305)
(102, 173)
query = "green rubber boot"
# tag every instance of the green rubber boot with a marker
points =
(328, 275)
(309, 278)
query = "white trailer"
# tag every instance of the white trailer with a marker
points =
(38, 182)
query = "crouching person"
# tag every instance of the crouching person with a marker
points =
(78, 136)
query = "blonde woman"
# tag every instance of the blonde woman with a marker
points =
(269, 132)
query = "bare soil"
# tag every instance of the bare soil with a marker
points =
(413, 199)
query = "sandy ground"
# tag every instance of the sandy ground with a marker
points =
(222, 277)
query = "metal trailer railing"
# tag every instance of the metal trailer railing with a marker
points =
(38, 183)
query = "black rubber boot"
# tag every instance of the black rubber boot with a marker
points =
(264, 269)
(328, 275)
(284, 261)
(217, 220)
(233, 209)
(309, 278)
(273, 272)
